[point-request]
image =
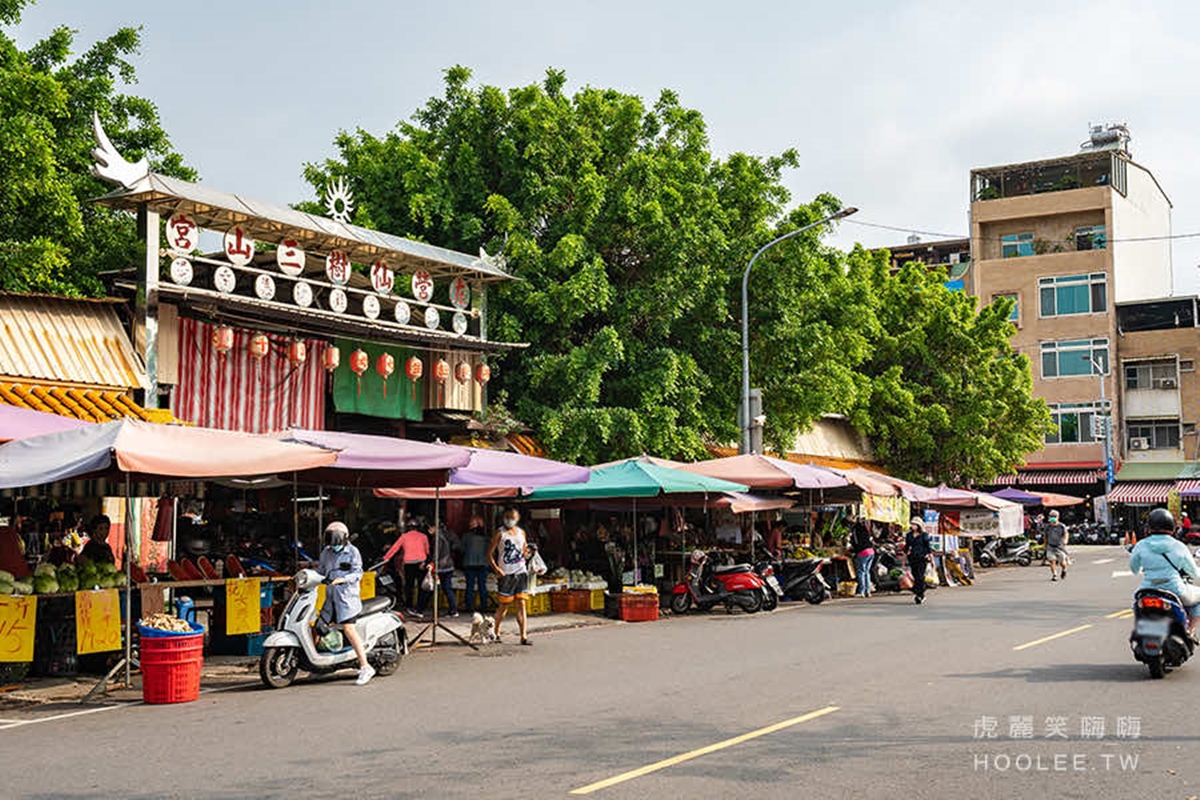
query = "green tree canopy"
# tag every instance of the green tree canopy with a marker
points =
(51, 239)
(629, 237)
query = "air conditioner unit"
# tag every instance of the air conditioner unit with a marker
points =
(1139, 443)
(1167, 383)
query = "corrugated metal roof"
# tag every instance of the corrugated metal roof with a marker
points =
(70, 341)
(89, 405)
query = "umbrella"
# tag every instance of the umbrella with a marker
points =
(21, 423)
(943, 496)
(740, 503)
(1017, 496)
(500, 468)
(1052, 500)
(764, 472)
(368, 460)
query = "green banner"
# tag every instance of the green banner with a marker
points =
(397, 398)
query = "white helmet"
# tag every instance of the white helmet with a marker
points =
(698, 557)
(337, 533)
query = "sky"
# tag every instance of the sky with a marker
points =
(889, 104)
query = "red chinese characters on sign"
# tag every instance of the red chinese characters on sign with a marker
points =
(382, 278)
(422, 285)
(18, 620)
(337, 267)
(239, 248)
(289, 257)
(183, 235)
(460, 293)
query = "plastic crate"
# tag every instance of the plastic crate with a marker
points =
(572, 601)
(597, 599)
(171, 665)
(639, 607)
(538, 604)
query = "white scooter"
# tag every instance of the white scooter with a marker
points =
(293, 647)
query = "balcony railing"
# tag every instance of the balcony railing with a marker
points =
(1052, 176)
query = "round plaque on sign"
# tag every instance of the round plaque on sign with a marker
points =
(302, 294)
(337, 301)
(460, 293)
(337, 267)
(239, 248)
(181, 271)
(403, 313)
(370, 306)
(224, 279)
(459, 322)
(432, 319)
(382, 278)
(183, 236)
(264, 287)
(422, 285)
(289, 257)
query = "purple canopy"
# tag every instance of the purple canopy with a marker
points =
(365, 460)
(21, 423)
(498, 468)
(1017, 496)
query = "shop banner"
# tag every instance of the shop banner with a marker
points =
(395, 397)
(979, 523)
(243, 608)
(18, 620)
(367, 587)
(97, 621)
(886, 509)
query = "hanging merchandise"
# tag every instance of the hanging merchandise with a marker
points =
(441, 371)
(414, 368)
(222, 339)
(297, 353)
(462, 372)
(359, 361)
(385, 365)
(483, 374)
(333, 358)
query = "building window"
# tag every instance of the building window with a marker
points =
(1015, 315)
(1153, 434)
(1189, 429)
(1092, 237)
(1072, 423)
(1074, 357)
(1151, 375)
(1073, 294)
(1187, 365)
(1016, 244)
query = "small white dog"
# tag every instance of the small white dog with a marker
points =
(482, 629)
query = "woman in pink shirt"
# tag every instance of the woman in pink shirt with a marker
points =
(412, 552)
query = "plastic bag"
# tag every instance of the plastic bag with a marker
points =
(537, 565)
(906, 581)
(429, 583)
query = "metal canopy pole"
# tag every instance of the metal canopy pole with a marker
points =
(295, 526)
(128, 584)
(432, 628)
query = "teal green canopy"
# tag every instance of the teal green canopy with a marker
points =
(635, 478)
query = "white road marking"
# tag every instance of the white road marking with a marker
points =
(1104, 561)
(1121, 573)
(24, 722)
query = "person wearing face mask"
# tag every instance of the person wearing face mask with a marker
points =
(510, 544)
(342, 566)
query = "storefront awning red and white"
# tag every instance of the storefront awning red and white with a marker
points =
(1188, 488)
(1141, 493)
(1052, 477)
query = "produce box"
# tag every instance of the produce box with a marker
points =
(847, 588)
(572, 602)
(597, 599)
(538, 604)
(639, 606)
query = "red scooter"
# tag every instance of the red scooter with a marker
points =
(705, 586)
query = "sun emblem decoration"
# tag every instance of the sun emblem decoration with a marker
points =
(339, 200)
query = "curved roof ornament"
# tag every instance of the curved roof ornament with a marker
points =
(110, 165)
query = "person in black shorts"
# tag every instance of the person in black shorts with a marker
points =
(507, 553)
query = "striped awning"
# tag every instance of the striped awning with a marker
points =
(1141, 493)
(1003, 480)
(1188, 488)
(1051, 477)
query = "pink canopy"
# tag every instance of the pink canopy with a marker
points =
(21, 423)
(451, 493)
(764, 472)
(741, 503)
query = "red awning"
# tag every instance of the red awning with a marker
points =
(1051, 477)
(1141, 493)
(1189, 488)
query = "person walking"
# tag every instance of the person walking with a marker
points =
(342, 566)
(862, 545)
(475, 564)
(411, 555)
(917, 547)
(443, 570)
(1056, 547)
(512, 572)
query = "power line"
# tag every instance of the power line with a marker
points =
(900, 229)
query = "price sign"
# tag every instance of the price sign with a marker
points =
(243, 613)
(18, 617)
(366, 587)
(97, 621)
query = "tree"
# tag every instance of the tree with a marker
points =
(949, 400)
(629, 238)
(51, 239)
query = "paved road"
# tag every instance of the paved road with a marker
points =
(862, 699)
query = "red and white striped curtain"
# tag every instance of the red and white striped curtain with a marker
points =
(238, 392)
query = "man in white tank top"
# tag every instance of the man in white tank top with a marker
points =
(511, 549)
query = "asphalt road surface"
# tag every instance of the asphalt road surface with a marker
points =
(997, 690)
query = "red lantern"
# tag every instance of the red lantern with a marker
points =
(359, 362)
(441, 370)
(297, 353)
(385, 365)
(462, 372)
(483, 374)
(332, 358)
(259, 346)
(222, 339)
(414, 368)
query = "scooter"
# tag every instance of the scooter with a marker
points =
(293, 647)
(706, 586)
(802, 580)
(765, 569)
(886, 569)
(1006, 551)
(1160, 637)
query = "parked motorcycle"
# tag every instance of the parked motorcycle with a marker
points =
(886, 569)
(1160, 638)
(293, 647)
(766, 570)
(1006, 551)
(707, 585)
(802, 580)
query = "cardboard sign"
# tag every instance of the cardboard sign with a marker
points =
(243, 612)
(18, 618)
(97, 621)
(367, 587)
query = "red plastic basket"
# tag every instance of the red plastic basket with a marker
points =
(571, 601)
(639, 607)
(171, 668)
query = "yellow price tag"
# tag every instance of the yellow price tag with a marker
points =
(97, 621)
(242, 606)
(18, 620)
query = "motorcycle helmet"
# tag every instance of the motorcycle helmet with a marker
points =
(336, 533)
(1161, 521)
(698, 556)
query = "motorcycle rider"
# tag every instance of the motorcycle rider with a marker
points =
(1163, 560)
(342, 566)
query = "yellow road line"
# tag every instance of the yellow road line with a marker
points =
(703, 751)
(1122, 614)
(1051, 637)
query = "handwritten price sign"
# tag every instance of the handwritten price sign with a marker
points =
(366, 587)
(242, 611)
(98, 621)
(18, 616)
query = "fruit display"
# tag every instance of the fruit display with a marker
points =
(166, 622)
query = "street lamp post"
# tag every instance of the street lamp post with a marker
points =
(745, 412)
(1107, 419)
